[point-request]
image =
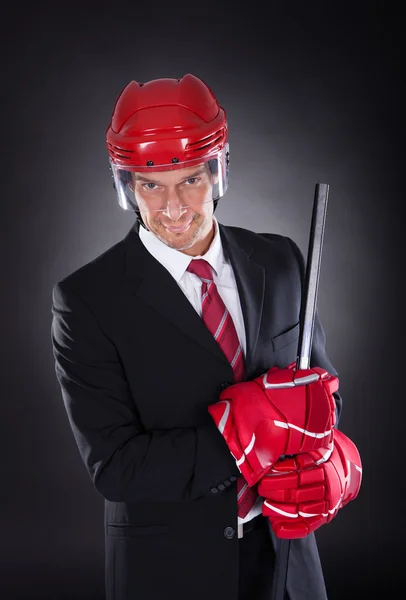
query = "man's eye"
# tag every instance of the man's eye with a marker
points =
(149, 186)
(192, 180)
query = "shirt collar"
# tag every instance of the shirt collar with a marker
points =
(175, 261)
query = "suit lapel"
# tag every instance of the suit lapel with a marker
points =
(250, 279)
(146, 278)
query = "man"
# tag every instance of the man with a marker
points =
(153, 338)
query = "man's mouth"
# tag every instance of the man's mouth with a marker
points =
(178, 229)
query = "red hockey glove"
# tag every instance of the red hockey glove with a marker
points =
(283, 412)
(303, 493)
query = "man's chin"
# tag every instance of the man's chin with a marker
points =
(178, 242)
(175, 240)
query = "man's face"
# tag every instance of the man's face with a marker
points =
(185, 221)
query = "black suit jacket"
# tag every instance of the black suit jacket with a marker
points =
(137, 369)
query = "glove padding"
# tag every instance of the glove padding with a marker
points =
(303, 493)
(283, 412)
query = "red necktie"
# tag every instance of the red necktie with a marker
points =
(220, 324)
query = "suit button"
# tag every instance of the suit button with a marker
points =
(214, 490)
(227, 482)
(225, 385)
(221, 487)
(233, 478)
(229, 533)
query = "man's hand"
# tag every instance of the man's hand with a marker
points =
(283, 412)
(305, 492)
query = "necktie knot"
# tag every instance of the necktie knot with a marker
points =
(201, 268)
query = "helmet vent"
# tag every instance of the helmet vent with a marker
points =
(116, 151)
(206, 142)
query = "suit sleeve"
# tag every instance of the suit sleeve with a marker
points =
(318, 357)
(125, 462)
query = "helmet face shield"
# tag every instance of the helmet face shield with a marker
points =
(185, 184)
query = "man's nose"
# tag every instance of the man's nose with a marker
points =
(175, 206)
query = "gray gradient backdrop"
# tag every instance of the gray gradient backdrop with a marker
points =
(312, 95)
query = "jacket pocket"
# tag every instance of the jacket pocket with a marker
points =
(286, 338)
(127, 530)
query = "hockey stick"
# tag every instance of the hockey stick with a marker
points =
(309, 302)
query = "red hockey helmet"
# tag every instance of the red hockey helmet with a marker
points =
(166, 125)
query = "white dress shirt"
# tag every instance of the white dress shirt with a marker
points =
(176, 262)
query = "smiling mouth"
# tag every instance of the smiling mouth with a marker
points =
(178, 229)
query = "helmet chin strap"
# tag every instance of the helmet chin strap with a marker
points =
(139, 219)
(141, 222)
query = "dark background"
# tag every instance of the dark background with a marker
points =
(313, 94)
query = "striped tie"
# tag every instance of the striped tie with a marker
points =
(220, 324)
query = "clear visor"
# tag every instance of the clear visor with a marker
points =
(187, 184)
